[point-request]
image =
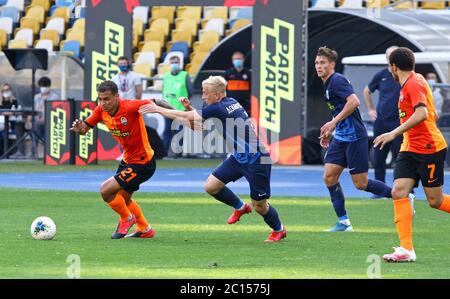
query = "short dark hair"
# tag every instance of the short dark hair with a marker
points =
(331, 54)
(108, 86)
(44, 82)
(403, 58)
(123, 58)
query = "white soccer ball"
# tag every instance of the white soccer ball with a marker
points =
(43, 228)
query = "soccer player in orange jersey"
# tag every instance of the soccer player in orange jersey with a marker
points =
(422, 153)
(126, 124)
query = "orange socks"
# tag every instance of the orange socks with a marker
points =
(140, 218)
(118, 205)
(445, 205)
(403, 215)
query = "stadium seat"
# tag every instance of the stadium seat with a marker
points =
(31, 23)
(3, 2)
(215, 25)
(3, 38)
(215, 12)
(50, 34)
(237, 25)
(25, 34)
(144, 69)
(353, 4)
(77, 35)
(245, 13)
(19, 4)
(160, 24)
(71, 46)
(181, 47)
(165, 12)
(193, 68)
(57, 24)
(79, 24)
(376, 3)
(157, 35)
(17, 44)
(6, 23)
(36, 12)
(141, 12)
(210, 35)
(138, 26)
(433, 4)
(153, 46)
(405, 5)
(190, 12)
(325, 4)
(44, 3)
(180, 36)
(66, 3)
(134, 41)
(204, 46)
(61, 12)
(12, 12)
(45, 44)
(80, 12)
(187, 24)
(146, 57)
(198, 57)
(169, 55)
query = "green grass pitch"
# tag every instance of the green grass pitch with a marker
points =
(193, 240)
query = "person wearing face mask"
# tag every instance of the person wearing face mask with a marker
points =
(437, 96)
(8, 101)
(176, 84)
(239, 81)
(129, 83)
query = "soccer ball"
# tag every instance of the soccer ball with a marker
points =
(43, 228)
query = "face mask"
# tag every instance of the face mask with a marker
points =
(431, 82)
(44, 89)
(237, 63)
(6, 94)
(123, 68)
(175, 67)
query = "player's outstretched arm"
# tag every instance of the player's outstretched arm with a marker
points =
(187, 117)
(163, 103)
(80, 127)
(186, 103)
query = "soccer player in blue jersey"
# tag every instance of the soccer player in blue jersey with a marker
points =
(349, 146)
(248, 159)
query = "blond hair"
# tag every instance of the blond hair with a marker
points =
(216, 84)
(1, 93)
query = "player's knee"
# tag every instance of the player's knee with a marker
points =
(106, 195)
(360, 185)
(330, 179)
(399, 193)
(260, 207)
(210, 189)
(434, 202)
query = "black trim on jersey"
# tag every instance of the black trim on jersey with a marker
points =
(88, 124)
(420, 104)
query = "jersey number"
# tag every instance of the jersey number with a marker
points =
(127, 175)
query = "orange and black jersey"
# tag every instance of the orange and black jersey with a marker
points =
(238, 84)
(424, 138)
(128, 128)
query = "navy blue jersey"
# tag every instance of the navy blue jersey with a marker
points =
(237, 129)
(337, 88)
(389, 93)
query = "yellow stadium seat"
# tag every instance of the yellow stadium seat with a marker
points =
(3, 37)
(77, 35)
(187, 24)
(190, 12)
(152, 46)
(31, 23)
(138, 27)
(192, 68)
(180, 36)
(80, 24)
(143, 69)
(209, 35)
(216, 12)
(44, 3)
(17, 44)
(62, 12)
(37, 12)
(204, 46)
(376, 3)
(238, 24)
(433, 4)
(160, 24)
(135, 41)
(166, 12)
(198, 57)
(157, 35)
(50, 34)
(405, 5)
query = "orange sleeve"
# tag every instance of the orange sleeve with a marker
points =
(95, 117)
(418, 95)
(134, 105)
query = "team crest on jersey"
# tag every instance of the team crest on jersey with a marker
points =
(401, 97)
(123, 121)
(244, 76)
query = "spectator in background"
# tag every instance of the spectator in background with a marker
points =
(176, 84)
(239, 81)
(7, 98)
(129, 83)
(437, 96)
(385, 115)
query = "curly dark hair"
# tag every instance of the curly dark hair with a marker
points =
(108, 86)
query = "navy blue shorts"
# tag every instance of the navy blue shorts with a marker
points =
(257, 175)
(351, 154)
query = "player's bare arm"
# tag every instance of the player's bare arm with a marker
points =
(80, 127)
(163, 103)
(369, 103)
(351, 105)
(186, 103)
(186, 117)
(419, 115)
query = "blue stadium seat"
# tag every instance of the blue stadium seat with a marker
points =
(10, 11)
(64, 2)
(245, 13)
(3, 2)
(72, 46)
(182, 47)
